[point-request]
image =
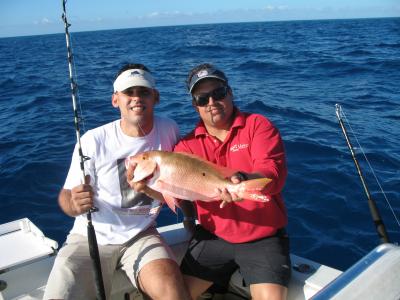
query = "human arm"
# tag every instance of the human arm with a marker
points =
(189, 215)
(266, 158)
(267, 154)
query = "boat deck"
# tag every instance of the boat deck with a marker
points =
(27, 257)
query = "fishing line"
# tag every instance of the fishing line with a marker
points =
(85, 57)
(372, 170)
(91, 234)
(75, 74)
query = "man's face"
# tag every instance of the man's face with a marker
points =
(136, 104)
(217, 112)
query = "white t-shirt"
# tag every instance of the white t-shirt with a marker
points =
(123, 213)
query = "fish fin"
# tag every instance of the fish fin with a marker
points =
(252, 189)
(171, 202)
(144, 170)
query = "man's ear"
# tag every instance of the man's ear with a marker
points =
(156, 96)
(114, 100)
(195, 106)
(230, 90)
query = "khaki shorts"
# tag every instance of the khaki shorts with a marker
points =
(72, 273)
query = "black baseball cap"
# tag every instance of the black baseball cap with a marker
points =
(206, 72)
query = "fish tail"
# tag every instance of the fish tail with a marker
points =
(252, 189)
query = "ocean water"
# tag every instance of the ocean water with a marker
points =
(292, 72)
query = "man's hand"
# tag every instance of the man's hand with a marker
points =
(139, 186)
(82, 197)
(228, 197)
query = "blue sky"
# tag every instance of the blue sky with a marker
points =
(30, 17)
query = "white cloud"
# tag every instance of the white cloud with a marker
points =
(276, 8)
(283, 7)
(168, 14)
(154, 14)
(43, 21)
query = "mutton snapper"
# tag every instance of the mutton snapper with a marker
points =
(189, 177)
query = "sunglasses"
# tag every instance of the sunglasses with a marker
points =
(218, 94)
(141, 92)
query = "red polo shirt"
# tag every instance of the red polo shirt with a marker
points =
(253, 145)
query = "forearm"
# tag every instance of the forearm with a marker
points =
(188, 209)
(153, 194)
(189, 215)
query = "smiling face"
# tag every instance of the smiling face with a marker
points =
(218, 112)
(136, 105)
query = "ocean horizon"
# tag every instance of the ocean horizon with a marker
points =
(197, 24)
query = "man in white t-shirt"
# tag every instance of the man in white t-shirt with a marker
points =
(125, 220)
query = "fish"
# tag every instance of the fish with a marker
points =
(189, 177)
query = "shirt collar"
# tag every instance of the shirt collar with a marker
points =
(238, 121)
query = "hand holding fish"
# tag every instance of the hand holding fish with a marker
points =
(237, 178)
(138, 186)
(141, 185)
(228, 197)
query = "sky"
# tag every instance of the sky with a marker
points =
(32, 17)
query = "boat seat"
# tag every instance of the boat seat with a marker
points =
(27, 258)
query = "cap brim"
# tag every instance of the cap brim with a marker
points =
(205, 77)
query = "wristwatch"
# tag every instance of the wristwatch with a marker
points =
(242, 176)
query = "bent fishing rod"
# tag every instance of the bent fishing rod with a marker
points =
(380, 227)
(92, 241)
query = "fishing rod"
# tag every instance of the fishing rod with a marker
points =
(92, 241)
(380, 227)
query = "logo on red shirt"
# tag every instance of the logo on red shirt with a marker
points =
(238, 147)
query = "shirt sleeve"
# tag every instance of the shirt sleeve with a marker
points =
(175, 129)
(268, 154)
(182, 147)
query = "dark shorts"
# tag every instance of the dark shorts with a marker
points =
(262, 261)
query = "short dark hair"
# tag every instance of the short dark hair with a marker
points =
(130, 67)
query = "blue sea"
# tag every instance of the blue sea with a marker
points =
(293, 72)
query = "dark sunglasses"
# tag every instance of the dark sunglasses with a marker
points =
(218, 94)
(141, 92)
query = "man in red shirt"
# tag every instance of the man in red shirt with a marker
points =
(235, 233)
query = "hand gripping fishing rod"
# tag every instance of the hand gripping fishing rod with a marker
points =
(380, 227)
(92, 241)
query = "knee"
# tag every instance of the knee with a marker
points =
(268, 291)
(163, 282)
